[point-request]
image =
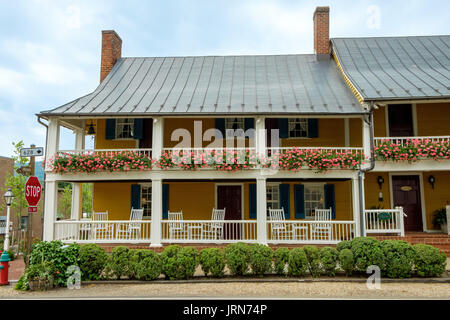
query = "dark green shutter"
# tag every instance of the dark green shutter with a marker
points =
(284, 199)
(135, 196)
(252, 201)
(299, 201)
(329, 199)
(283, 126)
(138, 129)
(220, 125)
(313, 128)
(165, 204)
(110, 132)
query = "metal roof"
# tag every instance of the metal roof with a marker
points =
(271, 84)
(396, 68)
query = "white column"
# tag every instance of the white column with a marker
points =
(447, 208)
(355, 205)
(366, 142)
(158, 137)
(76, 187)
(50, 207)
(260, 135)
(155, 230)
(261, 210)
(52, 141)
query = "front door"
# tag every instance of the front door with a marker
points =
(400, 120)
(230, 198)
(406, 191)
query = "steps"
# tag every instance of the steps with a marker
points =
(438, 240)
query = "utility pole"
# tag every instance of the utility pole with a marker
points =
(30, 215)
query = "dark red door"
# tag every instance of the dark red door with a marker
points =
(230, 198)
(406, 191)
(400, 120)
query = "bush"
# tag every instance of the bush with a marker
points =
(92, 261)
(429, 261)
(398, 258)
(346, 261)
(281, 256)
(178, 262)
(312, 255)
(59, 255)
(298, 263)
(118, 263)
(260, 259)
(346, 244)
(366, 252)
(329, 259)
(237, 258)
(146, 264)
(212, 261)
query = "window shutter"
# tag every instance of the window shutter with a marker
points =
(252, 201)
(313, 128)
(284, 199)
(329, 198)
(299, 201)
(135, 196)
(283, 126)
(165, 204)
(110, 132)
(138, 129)
(220, 125)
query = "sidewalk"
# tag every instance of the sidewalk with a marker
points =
(16, 268)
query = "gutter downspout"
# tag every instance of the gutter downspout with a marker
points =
(363, 170)
(45, 178)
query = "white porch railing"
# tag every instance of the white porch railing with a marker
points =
(104, 152)
(313, 232)
(385, 221)
(111, 231)
(208, 231)
(332, 150)
(401, 141)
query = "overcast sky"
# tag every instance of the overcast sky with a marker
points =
(50, 50)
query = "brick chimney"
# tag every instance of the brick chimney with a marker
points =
(111, 52)
(322, 30)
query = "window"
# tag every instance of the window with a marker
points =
(314, 198)
(124, 128)
(234, 123)
(146, 200)
(298, 128)
(273, 196)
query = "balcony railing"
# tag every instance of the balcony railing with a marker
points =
(402, 141)
(385, 221)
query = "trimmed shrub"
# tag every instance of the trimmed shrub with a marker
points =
(429, 261)
(212, 261)
(179, 262)
(329, 258)
(366, 252)
(118, 263)
(92, 261)
(398, 258)
(146, 264)
(237, 257)
(298, 263)
(260, 259)
(312, 255)
(345, 244)
(281, 257)
(346, 261)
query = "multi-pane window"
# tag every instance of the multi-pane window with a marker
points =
(298, 128)
(146, 200)
(273, 196)
(314, 198)
(124, 128)
(234, 123)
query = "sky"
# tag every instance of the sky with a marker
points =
(50, 50)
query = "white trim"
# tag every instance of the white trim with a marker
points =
(230, 184)
(422, 194)
(405, 166)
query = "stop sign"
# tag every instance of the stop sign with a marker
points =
(33, 191)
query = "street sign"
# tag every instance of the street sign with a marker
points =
(25, 171)
(33, 191)
(32, 209)
(32, 152)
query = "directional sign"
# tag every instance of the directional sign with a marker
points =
(32, 152)
(33, 191)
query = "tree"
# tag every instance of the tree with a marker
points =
(65, 201)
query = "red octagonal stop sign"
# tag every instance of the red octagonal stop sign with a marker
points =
(33, 191)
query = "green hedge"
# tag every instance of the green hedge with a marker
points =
(237, 256)
(398, 259)
(212, 261)
(92, 261)
(429, 261)
(260, 259)
(179, 262)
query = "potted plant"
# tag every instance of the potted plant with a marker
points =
(440, 219)
(40, 276)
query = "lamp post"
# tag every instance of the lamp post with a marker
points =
(9, 197)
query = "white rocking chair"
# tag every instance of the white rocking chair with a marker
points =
(101, 230)
(320, 230)
(132, 229)
(176, 225)
(214, 230)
